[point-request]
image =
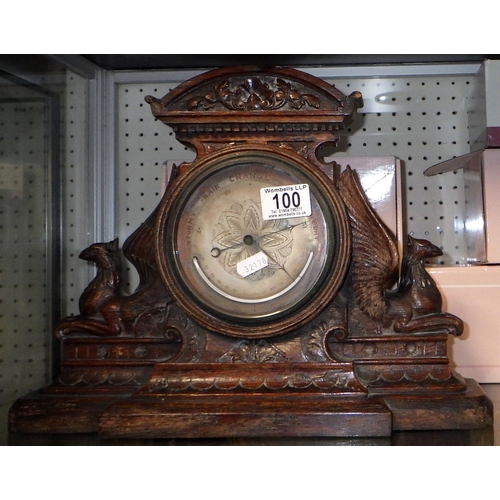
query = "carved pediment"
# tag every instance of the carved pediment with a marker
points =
(254, 94)
(254, 89)
(252, 104)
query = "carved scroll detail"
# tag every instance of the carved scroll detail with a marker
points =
(254, 94)
(326, 380)
(419, 375)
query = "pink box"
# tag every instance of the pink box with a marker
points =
(380, 177)
(491, 203)
(482, 211)
(473, 292)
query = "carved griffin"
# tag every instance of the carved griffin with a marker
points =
(414, 305)
(105, 310)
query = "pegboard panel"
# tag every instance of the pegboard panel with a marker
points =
(24, 270)
(144, 144)
(76, 194)
(420, 119)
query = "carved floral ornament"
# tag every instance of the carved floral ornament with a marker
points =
(254, 94)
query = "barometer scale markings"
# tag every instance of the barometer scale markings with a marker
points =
(215, 251)
(251, 301)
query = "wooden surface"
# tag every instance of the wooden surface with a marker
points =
(481, 437)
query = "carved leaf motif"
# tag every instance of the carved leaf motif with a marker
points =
(194, 102)
(254, 94)
(283, 91)
(251, 351)
(283, 86)
(311, 100)
(211, 97)
(294, 95)
(206, 102)
(255, 102)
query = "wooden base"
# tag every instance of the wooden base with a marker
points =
(471, 410)
(45, 412)
(255, 416)
(138, 415)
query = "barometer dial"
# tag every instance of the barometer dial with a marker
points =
(253, 241)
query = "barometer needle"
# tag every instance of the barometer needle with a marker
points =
(215, 252)
(289, 227)
(278, 264)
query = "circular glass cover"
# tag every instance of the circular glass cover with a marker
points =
(249, 239)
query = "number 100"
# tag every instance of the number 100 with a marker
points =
(287, 200)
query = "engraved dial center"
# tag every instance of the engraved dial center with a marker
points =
(248, 239)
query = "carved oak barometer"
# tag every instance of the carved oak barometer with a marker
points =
(253, 242)
(272, 299)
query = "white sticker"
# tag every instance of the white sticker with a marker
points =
(283, 202)
(252, 264)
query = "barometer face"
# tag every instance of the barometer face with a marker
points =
(249, 240)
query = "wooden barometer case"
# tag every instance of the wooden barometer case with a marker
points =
(272, 299)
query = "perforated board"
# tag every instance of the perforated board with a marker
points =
(78, 203)
(420, 119)
(144, 144)
(24, 272)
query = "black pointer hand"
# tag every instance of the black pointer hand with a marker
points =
(215, 252)
(291, 226)
(277, 263)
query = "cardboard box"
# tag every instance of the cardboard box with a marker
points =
(380, 177)
(473, 293)
(482, 203)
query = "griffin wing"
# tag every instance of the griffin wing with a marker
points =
(375, 254)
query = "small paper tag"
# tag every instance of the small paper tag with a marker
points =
(252, 264)
(283, 202)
